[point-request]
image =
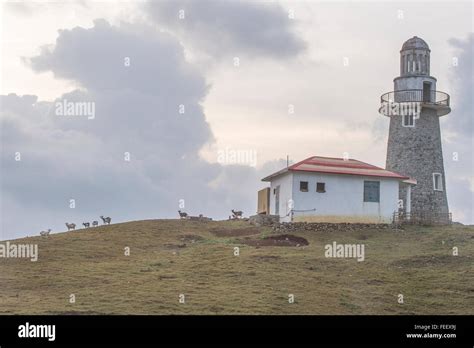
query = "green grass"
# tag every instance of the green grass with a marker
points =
(91, 265)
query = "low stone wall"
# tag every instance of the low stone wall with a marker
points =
(273, 222)
(264, 220)
(320, 226)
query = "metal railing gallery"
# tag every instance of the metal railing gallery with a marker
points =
(416, 95)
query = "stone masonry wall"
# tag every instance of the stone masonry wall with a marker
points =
(416, 152)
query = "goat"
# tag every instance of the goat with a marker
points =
(70, 226)
(236, 214)
(182, 214)
(106, 220)
(95, 223)
(45, 233)
(86, 224)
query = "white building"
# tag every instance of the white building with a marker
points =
(322, 189)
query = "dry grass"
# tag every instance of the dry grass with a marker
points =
(172, 257)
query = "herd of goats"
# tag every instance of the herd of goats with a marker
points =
(182, 215)
(72, 226)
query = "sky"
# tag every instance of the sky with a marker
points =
(191, 103)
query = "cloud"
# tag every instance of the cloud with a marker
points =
(462, 78)
(459, 132)
(137, 112)
(134, 57)
(230, 28)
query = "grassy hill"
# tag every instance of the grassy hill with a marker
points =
(173, 257)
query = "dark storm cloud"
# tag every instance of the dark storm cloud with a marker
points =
(96, 59)
(230, 28)
(136, 111)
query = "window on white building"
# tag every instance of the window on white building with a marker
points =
(320, 187)
(437, 182)
(303, 186)
(371, 191)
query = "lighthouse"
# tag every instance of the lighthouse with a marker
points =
(414, 142)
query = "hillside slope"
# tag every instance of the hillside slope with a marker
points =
(173, 257)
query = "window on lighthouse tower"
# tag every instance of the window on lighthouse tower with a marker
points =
(408, 121)
(437, 183)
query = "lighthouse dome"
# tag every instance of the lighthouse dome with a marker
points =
(415, 58)
(415, 43)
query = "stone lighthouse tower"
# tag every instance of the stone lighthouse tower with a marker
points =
(414, 142)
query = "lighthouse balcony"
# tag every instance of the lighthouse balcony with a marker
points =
(395, 102)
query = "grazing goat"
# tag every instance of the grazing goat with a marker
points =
(45, 233)
(95, 223)
(236, 214)
(70, 226)
(86, 224)
(182, 214)
(106, 220)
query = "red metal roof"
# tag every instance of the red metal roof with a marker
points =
(337, 166)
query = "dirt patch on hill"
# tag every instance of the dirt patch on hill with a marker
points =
(266, 257)
(162, 277)
(237, 232)
(190, 238)
(280, 240)
(362, 237)
(374, 282)
(175, 246)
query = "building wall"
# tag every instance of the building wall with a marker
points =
(285, 181)
(343, 200)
